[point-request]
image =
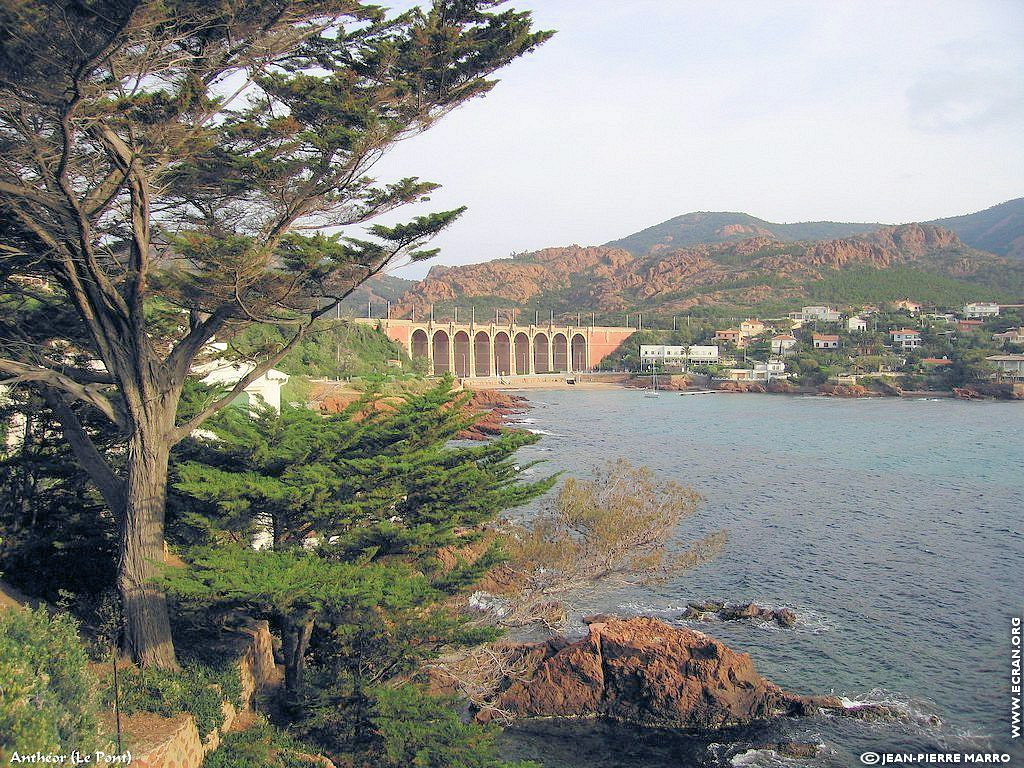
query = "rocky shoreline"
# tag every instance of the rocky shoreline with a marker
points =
(646, 672)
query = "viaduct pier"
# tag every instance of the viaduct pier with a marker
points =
(473, 349)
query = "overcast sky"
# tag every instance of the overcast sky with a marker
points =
(641, 110)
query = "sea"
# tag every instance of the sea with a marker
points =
(893, 527)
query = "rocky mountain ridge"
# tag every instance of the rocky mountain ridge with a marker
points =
(750, 271)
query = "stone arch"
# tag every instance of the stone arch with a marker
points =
(482, 353)
(420, 343)
(461, 342)
(522, 354)
(541, 352)
(579, 352)
(559, 353)
(502, 354)
(441, 345)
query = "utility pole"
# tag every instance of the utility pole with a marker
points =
(389, 310)
(368, 315)
(456, 314)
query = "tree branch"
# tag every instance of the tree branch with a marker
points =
(46, 377)
(93, 462)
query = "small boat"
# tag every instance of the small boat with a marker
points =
(653, 391)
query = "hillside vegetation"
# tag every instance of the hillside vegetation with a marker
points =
(760, 273)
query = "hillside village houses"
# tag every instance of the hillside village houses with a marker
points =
(906, 338)
(825, 341)
(664, 354)
(1010, 366)
(783, 344)
(910, 306)
(732, 336)
(980, 309)
(819, 313)
(966, 326)
(1012, 336)
(752, 328)
(761, 371)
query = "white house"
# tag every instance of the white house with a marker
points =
(265, 388)
(856, 324)
(825, 341)
(703, 353)
(773, 369)
(667, 353)
(662, 353)
(906, 338)
(1010, 366)
(981, 309)
(783, 344)
(823, 314)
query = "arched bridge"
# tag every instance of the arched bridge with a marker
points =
(507, 349)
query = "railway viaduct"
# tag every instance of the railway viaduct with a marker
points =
(473, 349)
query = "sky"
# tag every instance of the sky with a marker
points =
(637, 111)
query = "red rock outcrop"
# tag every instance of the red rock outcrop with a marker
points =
(644, 671)
(494, 409)
(735, 272)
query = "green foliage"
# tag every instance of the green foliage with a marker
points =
(421, 731)
(52, 520)
(261, 745)
(47, 694)
(335, 349)
(867, 285)
(359, 506)
(196, 689)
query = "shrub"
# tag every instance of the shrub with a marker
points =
(261, 745)
(47, 694)
(196, 689)
(423, 731)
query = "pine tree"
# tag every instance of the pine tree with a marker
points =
(363, 512)
(170, 170)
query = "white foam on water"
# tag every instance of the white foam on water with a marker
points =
(919, 712)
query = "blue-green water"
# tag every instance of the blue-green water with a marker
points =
(893, 527)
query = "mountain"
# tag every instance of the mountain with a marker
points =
(736, 271)
(999, 229)
(718, 227)
(378, 291)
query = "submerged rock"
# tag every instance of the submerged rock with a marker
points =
(799, 750)
(644, 671)
(784, 617)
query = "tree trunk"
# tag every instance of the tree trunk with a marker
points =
(147, 625)
(294, 642)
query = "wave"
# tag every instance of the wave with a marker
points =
(767, 758)
(917, 711)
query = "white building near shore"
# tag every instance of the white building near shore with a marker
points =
(663, 354)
